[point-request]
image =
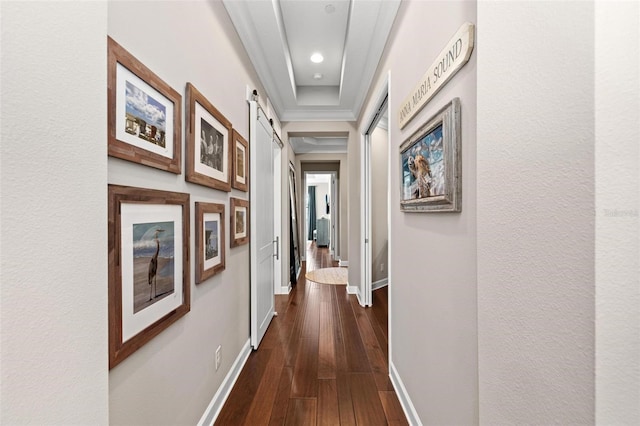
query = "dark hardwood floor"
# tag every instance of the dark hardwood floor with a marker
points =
(323, 361)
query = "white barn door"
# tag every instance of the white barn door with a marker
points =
(264, 241)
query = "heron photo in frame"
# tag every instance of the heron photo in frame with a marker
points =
(430, 164)
(148, 265)
(208, 148)
(143, 115)
(239, 222)
(210, 241)
(240, 162)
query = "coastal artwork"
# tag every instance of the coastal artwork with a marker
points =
(240, 163)
(153, 263)
(211, 238)
(423, 167)
(211, 146)
(145, 117)
(241, 213)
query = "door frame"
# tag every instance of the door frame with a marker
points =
(364, 292)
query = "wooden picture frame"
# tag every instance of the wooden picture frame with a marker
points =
(143, 113)
(240, 147)
(239, 219)
(208, 149)
(210, 241)
(430, 164)
(148, 266)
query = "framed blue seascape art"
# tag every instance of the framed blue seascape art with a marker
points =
(430, 164)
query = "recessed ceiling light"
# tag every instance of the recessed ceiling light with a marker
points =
(317, 76)
(317, 58)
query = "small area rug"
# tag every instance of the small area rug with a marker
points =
(335, 276)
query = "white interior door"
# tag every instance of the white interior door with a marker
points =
(262, 212)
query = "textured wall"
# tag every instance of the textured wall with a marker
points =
(617, 85)
(199, 45)
(536, 212)
(54, 215)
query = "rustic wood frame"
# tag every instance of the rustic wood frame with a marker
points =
(118, 195)
(237, 202)
(192, 175)
(235, 183)
(123, 149)
(451, 201)
(202, 208)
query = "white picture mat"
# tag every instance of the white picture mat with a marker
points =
(131, 214)
(244, 233)
(242, 178)
(216, 260)
(201, 113)
(122, 76)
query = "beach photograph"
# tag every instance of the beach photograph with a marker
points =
(145, 117)
(153, 263)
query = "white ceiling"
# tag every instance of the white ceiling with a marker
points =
(280, 37)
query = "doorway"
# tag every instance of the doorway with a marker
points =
(375, 225)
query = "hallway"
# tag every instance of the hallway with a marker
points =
(323, 360)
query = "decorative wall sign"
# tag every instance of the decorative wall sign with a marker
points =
(240, 148)
(148, 266)
(452, 58)
(210, 243)
(208, 147)
(143, 114)
(430, 165)
(239, 222)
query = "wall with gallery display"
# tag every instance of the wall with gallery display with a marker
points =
(178, 209)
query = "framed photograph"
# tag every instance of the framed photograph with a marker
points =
(239, 222)
(208, 147)
(430, 165)
(240, 148)
(144, 113)
(210, 243)
(148, 266)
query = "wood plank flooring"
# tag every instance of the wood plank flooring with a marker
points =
(323, 361)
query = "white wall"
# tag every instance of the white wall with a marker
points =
(54, 213)
(535, 184)
(432, 272)
(379, 204)
(172, 379)
(617, 131)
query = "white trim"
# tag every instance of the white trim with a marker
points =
(379, 284)
(342, 263)
(407, 406)
(284, 289)
(217, 402)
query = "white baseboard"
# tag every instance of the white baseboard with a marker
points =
(403, 396)
(379, 284)
(343, 263)
(352, 289)
(284, 290)
(213, 410)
